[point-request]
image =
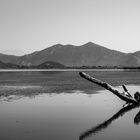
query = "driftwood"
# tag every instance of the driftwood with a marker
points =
(125, 96)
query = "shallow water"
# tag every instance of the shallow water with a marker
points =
(63, 106)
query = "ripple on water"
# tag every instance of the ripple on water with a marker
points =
(19, 87)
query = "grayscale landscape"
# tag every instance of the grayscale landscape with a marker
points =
(69, 70)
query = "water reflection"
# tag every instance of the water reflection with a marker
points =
(106, 123)
(54, 105)
(137, 119)
(27, 83)
(9, 98)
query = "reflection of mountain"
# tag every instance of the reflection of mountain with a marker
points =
(89, 54)
(106, 123)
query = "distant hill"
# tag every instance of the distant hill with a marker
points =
(9, 58)
(50, 65)
(89, 54)
(8, 66)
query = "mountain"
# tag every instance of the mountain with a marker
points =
(89, 54)
(8, 58)
(8, 66)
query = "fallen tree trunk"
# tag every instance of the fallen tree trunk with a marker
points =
(124, 97)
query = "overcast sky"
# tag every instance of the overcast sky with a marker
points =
(31, 25)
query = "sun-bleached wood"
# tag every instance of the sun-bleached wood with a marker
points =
(125, 97)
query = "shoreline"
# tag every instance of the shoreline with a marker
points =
(22, 70)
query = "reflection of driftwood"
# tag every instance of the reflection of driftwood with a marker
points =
(124, 96)
(106, 123)
(137, 118)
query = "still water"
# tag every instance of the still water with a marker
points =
(60, 105)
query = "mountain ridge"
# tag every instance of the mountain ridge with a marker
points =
(88, 54)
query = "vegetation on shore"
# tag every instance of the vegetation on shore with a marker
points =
(56, 65)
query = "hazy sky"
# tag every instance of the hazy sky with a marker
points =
(30, 25)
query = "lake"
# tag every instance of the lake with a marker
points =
(60, 105)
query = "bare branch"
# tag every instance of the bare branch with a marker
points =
(107, 86)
